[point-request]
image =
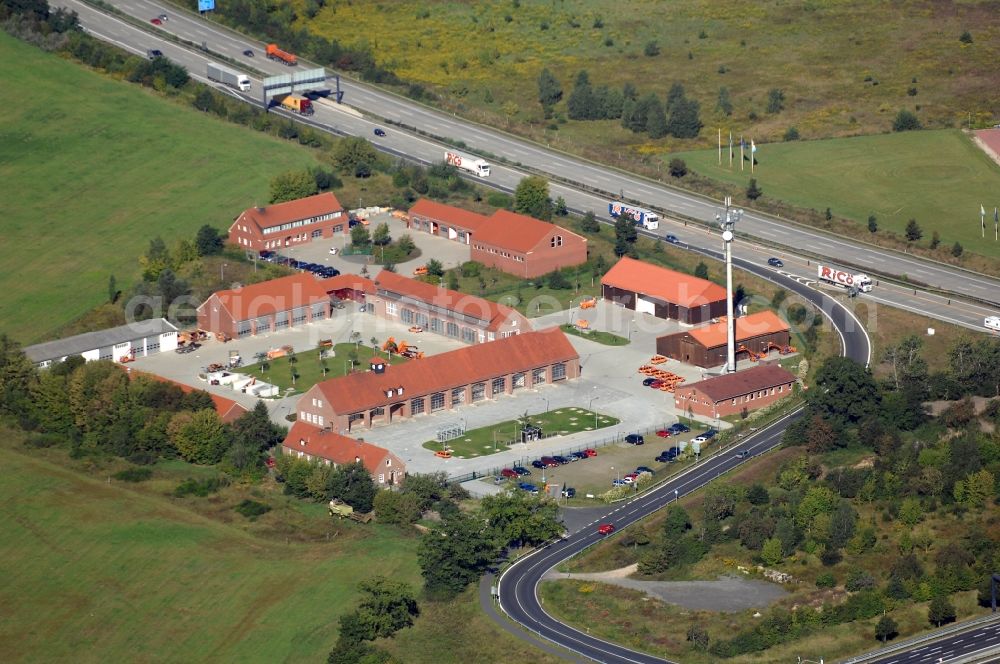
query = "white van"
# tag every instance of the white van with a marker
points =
(992, 323)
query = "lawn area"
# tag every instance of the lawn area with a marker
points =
(485, 440)
(90, 177)
(939, 178)
(309, 366)
(599, 336)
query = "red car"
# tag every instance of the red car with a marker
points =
(606, 528)
(508, 473)
(656, 384)
(664, 433)
(590, 453)
(156, 21)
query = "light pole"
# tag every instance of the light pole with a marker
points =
(728, 225)
(590, 407)
(222, 271)
(546, 404)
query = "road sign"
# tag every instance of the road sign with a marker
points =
(206, 5)
(303, 81)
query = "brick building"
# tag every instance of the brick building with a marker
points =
(664, 293)
(277, 304)
(289, 224)
(525, 246)
(731, 394)
(325, 446)
(757, 333)
(461, 316)
(445, 220)
(441, 382)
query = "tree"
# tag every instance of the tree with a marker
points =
(701, 270)
(775, 100)
(386, 607)
(965, 37)
(957, 249)
(397, 507)
(683, 121)
(155, 260)
(677, 168)
(353, 151)
(589, 223)
(791, 134)
(557, 280)
(360, 236)
(435, 268)
(845, 391)
(720, 501)
(517, 518)
(886, 629)
(676, 522)
(698, 637)
(17, 379)
(872, 224)
(771, 552)
(292, 185)
(906, 121)
(935, 240)
(656, 119)
(753, 191)
(580, 104)
(560, 208)
(913, 230)
(532, 198)
(757, 494)
(940, 610)
(625, 235)
(452, 280)
(724, 103)
(652, 49)
(256, 428)
(381, 237)
(455, 553)
(204, 100)
(549, 89)
(353, 484)
(405, 244)
(674, 96)
(199, 437)
(209, 242)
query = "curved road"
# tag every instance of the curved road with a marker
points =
(407, 113)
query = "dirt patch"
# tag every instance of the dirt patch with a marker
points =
(727, 594)
(988, 141)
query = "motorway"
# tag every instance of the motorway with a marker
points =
(518, 585)
(405, 112)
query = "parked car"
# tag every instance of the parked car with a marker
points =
(561, 460)
(664, 433)
(634, 439)
(580, 455)
(628, 479)
(775, 262)
(521, 471)
(509, 473)
(537, 463)
(190, 348)
(655, 384)
(743, 454)
(677, 428)
(334, 250)
(667, 456)
(618, 482)
(671, 238)
(699, 439)
(644, 469)
(711, 433)
(527, 486)
(590, 453)
(606, 528)
(569, 492)
(631, 476)
(379, 132)
(549, 462)
(646, 382)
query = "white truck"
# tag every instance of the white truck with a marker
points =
(227, 76)
(992, 323)
(639, 216)
(475, 166)
(837, 277)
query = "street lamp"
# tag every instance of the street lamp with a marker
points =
(546, 404)
(222, 271)
(617, 473)
(590, 407)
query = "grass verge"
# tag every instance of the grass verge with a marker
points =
(309, 366)
(601, 337)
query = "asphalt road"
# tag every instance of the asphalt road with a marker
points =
(402, 111)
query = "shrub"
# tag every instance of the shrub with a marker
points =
(826, 580)
(200, 488)
(42, 440)
(678, 168)
(792, 134)
(252, 509)
(966, 37)
(134, 474)
(652, 49)
(142, 458)
(753, 191)
(906, 121)
(957, 249)
(859, 580)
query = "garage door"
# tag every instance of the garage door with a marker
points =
(644, 306)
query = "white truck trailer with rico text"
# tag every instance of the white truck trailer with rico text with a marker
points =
(479, 167)
(227, 76)
(837, 277)
(639, 216)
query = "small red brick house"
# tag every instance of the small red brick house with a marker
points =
(705, 346)
(525, 246)
(445, 220)
(289, 224)
(468, 375)
(664, 293)
(325, 446)
(461, 316)
(730, 394)
(277, 304)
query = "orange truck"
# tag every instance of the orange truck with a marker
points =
(276, 53)
(297, 104)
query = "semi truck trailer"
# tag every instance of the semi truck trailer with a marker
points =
(639, 216)
(276, 53)
(227, 76)
(297, 104)
(476, 166)
(844, 279)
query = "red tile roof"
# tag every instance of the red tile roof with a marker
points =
(517, 232)
(268, 297)
(348, 281)
(302, 208)
(522, 352)
(463, 303)
(747, 327)
(730, 386)
(449, 214)
(327, 444)
(227, 409)
(663, 284)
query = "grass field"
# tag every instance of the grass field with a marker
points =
(486, 440)
(92, 169)
(599, 336)
(939, 178)
(309, 367)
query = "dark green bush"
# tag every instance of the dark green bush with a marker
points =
(134, 474)
(200, 488)
(252, 509)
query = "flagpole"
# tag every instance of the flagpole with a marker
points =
(996, 224)
(753, 148)
(741, 152)
(730, 149)
(720, 146)
(982, 218)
